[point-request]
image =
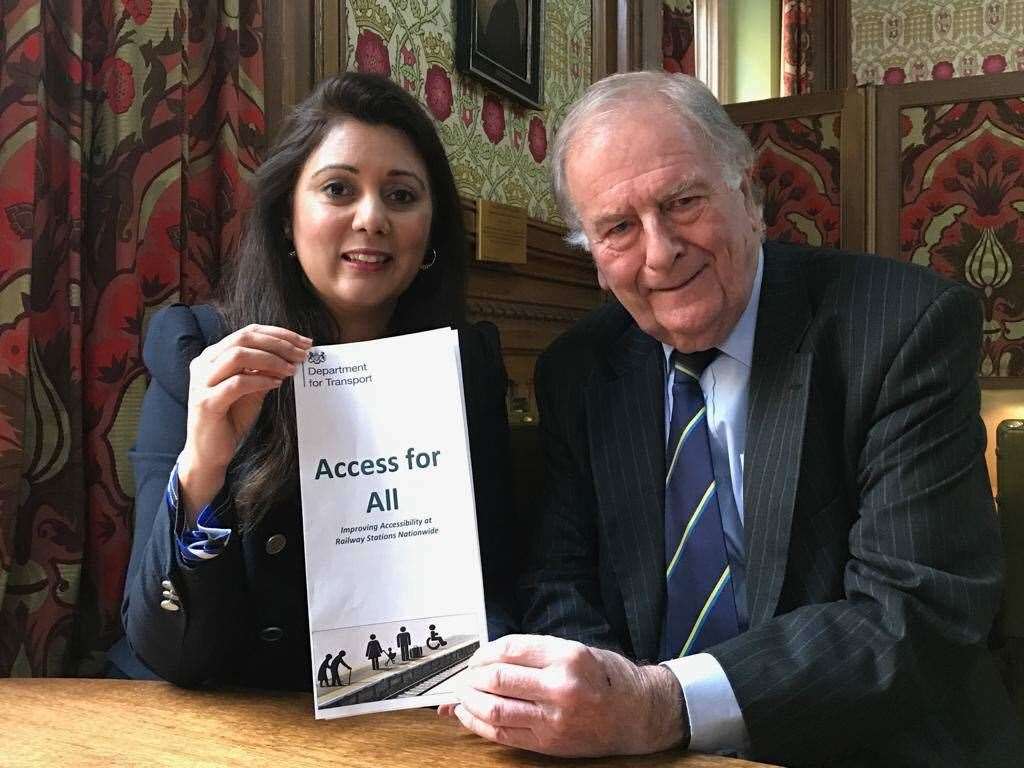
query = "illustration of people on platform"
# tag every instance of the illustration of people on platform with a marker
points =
(374, 651)
(435, 641)
(321, 675)
(339, 660)
(395, 671)
(403, 640)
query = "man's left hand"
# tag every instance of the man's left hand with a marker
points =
(560, 697)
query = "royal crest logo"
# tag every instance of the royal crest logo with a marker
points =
(317, 356)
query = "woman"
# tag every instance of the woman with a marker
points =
(356, 233)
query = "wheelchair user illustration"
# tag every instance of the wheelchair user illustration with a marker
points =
(435, 641)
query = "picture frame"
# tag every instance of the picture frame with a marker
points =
(501, 43)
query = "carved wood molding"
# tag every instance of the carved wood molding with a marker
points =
(518, 310)
(329, 38)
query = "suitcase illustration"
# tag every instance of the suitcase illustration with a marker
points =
(416, 652)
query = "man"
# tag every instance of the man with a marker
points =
(798, 522)
(339, 661)
(404, 640)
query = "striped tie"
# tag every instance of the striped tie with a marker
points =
(700, 609)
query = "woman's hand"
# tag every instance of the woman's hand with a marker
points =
(227, 384)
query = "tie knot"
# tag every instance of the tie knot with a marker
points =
(693, 363)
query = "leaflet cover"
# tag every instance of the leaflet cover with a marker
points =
(396, 599)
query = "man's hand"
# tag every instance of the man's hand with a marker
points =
(563, 698)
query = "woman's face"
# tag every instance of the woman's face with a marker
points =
(361, 213)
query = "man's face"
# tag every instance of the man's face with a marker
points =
(670, 239)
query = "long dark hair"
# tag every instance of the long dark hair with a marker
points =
(266, 286)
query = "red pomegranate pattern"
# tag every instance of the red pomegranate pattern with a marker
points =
(961, 212)
(87, 257)
(439, 92)
(372, 54)
(538, 139)
(493, 118)
(798, 169)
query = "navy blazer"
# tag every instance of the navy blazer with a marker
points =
(242, 616)
(872, 548)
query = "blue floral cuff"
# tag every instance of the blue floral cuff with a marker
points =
(212, 532)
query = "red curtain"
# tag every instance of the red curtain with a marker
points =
(127, 129)
(797, 73)
(677, 49)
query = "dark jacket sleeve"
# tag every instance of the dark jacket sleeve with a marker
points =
(921, 586)
(485, 384)
(188, 645)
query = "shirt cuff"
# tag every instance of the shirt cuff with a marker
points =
(212, 532)
(716, 723)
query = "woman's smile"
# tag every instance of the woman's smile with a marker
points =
(366, 259)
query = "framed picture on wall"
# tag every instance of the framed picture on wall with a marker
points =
(501, 43)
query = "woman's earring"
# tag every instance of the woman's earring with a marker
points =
(428, 264)
(287, 227)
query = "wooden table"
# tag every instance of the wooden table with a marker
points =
(79, 723)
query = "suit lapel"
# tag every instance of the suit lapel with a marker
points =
(626, 425)
(779, 387)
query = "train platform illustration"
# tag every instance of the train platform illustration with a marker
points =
(424, 669)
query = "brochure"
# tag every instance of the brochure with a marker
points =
(393, 578)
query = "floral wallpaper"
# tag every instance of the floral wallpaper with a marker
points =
(497, 148)
(896, 41)
(962, 170)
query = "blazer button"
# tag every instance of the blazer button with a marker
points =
(271, 634)
(275, 544)
(169, 605)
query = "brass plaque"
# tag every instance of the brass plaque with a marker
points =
(500, 232)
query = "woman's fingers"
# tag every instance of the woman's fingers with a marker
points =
(286, 344)
(222, 396)
(251, 331)
(249, 361)
(264, 349)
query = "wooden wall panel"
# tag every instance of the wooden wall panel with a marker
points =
(288, 49)
(532, 303)
(304, 41)
(800, 118)
(950, 196)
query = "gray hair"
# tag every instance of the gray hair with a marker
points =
(688, 97)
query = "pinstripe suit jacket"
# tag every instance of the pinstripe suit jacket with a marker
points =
(873, 557)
